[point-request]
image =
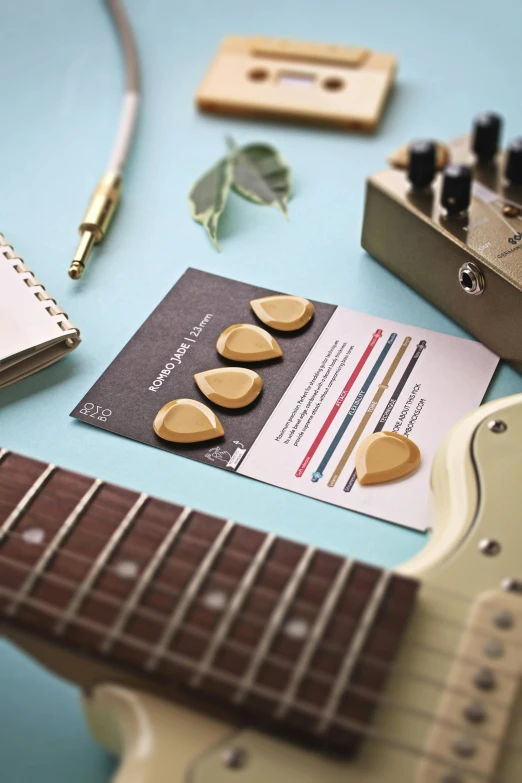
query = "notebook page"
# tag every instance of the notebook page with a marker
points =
(25, 324)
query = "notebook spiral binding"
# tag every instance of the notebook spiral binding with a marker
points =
(39, 292)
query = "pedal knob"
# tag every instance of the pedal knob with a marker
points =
(486, 136)
(422, 163)
(513, 171)
(456, 189)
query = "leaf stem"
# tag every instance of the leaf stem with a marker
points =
(231, 144)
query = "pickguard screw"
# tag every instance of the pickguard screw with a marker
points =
(504, 620)
(475, 712)
(235, 758)
(497, 426)
(510, 210)
(489, 547)
(464, 747)
(511, 585)
(484, 679)
(451, 777)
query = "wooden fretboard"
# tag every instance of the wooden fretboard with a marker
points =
(285, 634)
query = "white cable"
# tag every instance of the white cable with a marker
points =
(131, 99)
(123, 141)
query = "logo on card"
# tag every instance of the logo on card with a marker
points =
(231, 460)
(95, 411)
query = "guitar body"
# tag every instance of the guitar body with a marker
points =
(475, 547)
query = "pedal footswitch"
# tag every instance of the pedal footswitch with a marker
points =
(454, 232)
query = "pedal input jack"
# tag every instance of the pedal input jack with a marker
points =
(471, 279)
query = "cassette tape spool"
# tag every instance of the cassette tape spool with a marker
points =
(343, 86)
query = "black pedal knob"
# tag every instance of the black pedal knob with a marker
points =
(456, 189)
(486, 136)
(513, 171)
(421, 163)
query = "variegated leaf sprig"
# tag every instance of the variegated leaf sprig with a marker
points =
(256, 171)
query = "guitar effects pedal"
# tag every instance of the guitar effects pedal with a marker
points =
(447, 219)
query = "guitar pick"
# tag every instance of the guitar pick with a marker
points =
(400, 157)
(385, 456)
(187, 421)
(247, 343)
(285, 313)
(231, 387)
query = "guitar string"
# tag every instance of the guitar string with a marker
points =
(243, 556)
(256, 689)
(299, 604)
(450, 592)
(101, 506)
(320, 677)
(246, 557)
(304, 608)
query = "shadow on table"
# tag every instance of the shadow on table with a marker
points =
(42, 381)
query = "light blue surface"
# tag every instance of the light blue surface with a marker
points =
(60, 98)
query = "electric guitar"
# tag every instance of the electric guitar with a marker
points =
(211, 653)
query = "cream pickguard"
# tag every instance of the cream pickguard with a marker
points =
(475, 549)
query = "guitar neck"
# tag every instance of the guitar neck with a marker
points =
(271, 628)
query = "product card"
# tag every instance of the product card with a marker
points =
(341, 378)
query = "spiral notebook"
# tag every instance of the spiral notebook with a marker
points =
(34, 330)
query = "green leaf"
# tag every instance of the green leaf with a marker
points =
(261, 175)
(208, 196)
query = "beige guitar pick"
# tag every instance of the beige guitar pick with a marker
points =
(385, 456)
(187, 421)
(285, 313)
(247, 343)
(400, 157)
(231, 387)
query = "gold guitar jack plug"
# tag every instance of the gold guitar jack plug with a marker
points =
(96, 220)
(106, 196)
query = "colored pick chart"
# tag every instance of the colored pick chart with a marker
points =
(345, 407)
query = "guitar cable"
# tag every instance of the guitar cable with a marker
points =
(106, 195)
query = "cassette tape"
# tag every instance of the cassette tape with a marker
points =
(342, 86)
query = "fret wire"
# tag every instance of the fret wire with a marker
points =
(188, 596)
(353, 653)
(226, 580)
(232, 610)
(313, 643)
(266, 591)
(450, 593)
(145, 580)
(51, 550)
(348, 724)
(25, 502)
(237, 555)
(178, 564)
(453, 594)
(272, 627)
(99, 564)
